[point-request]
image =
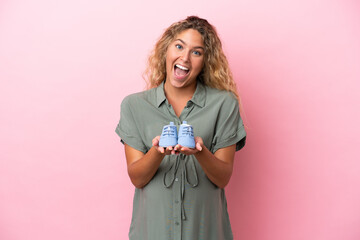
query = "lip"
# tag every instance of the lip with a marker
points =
(185, 66)
(181, 77)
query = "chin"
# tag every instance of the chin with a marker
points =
(180, 83)
(177, 83)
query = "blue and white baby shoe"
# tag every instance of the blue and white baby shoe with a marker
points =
(186, 135)
(168, 136)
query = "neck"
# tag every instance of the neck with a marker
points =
(183, 93)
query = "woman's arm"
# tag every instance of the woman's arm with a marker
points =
(218, 167)
(142, 167)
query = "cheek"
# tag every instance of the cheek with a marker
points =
(199, 65)
(167, 61)
(169, 58)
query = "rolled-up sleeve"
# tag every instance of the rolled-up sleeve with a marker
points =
(127, 128)
(229, 127)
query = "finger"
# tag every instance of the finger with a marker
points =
(199, 139)
(177, 147)
(188, 151)
(184, 149)
(161, 149)
(156, 140)
(168, 151)
(198, 146)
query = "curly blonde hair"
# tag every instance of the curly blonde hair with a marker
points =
(215, 73)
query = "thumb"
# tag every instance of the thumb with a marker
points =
(155, 141)
(198, 146)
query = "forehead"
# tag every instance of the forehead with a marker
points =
(190, 37)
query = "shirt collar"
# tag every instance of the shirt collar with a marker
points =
(199, 95)
(160, 94)
(198, 98)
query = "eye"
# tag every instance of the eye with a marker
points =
(178, 46)
(197, 53)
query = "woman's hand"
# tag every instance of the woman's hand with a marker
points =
(166, 151)
(190, 151)
(178, 148)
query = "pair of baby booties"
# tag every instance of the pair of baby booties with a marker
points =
(170, 137)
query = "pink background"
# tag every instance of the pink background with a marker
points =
(66, 65)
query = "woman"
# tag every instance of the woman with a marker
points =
(180, 191)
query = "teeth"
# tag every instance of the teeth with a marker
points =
(181, 67)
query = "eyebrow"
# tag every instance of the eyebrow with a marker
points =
(186, 44)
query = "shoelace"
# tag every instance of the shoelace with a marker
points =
(168, 132)
(181, 158)
(187, 131)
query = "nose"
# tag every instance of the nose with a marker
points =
(185, 56)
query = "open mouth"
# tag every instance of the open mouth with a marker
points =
(180, 71)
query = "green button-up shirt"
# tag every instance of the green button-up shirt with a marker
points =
(180, 202)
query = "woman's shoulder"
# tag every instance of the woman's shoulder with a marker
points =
(218, 95)
(137, 97)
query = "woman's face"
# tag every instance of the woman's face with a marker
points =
(184, 59)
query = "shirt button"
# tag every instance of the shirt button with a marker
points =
(177, 223)
(176, 179)
(176, 201)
